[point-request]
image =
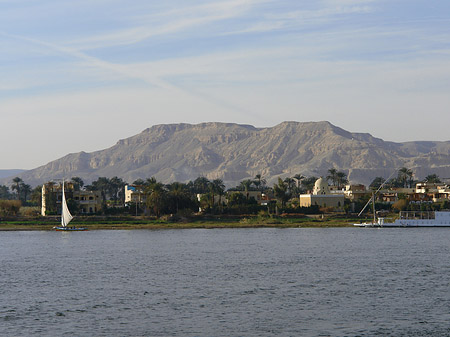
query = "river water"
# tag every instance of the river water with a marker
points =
(226, 282)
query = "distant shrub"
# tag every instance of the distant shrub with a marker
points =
(10, 207)
(29, 211)
(400, 205)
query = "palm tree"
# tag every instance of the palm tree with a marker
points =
(281, 192)
(405, 175)
(25, 189)
(177, 191)
(290, 183)
(332, 175)
(36, 195)
(433, 178)
(157, 197)
(139, 182)
(217, 186)
(201, 185)
(259, 181)
(341, 179)
(4, 192)
(77, 182)
(246, 184)
(18, 183)
(308, 183)
(377, 182)
(299, 179)
(102, 184)
(150, 181)
(117, 188)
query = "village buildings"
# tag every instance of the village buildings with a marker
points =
(322, 195)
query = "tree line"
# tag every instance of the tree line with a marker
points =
(182, 197)
(171, 198)
(405, 179)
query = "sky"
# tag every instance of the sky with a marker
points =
(80, 75)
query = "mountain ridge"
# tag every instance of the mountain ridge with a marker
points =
(233, 152)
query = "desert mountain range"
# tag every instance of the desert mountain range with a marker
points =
(233, 152)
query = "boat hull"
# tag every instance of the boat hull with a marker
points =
(365, 224)
(414, 225)
(68, 229)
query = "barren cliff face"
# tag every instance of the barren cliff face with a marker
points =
(232, 152)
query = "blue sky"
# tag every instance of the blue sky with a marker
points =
(80, 75)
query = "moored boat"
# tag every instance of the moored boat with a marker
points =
(413, 219)
(420, 219)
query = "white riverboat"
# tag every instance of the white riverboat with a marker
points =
(420, 219)
(414, 219)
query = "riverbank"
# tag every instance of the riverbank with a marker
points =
(192, 223)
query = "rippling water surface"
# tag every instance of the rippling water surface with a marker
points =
(226, 282)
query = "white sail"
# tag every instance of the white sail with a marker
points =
(66, 217)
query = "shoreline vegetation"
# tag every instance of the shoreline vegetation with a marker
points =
(202, 203)
(203, 222)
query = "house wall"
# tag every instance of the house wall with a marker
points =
(336, 201)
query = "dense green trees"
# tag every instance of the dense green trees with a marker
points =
(308, 183)
(432, 178)
(4, 193)
(182, 198)
(77, 182)
(111, 189)
(376, 183)
(337, 178)
(157, 198)
(21, 189)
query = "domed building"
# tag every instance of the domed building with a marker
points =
(321, 187)
(322, 196)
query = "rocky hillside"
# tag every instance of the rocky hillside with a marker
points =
(232, 152)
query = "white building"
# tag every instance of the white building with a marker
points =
(134, 194)
(322, 196)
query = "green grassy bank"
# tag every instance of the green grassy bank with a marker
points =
(99, 223)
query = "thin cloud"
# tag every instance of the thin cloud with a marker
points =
(169, 22)
(301, 18)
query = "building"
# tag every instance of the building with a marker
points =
(134, 194)
(322, 196)
(430, 192)
(355, 192)
(88, 202)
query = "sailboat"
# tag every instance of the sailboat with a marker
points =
(375, 222)
(66, 217)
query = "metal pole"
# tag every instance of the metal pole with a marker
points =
(373, 207)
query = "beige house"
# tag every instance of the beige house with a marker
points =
(431, 192)
(88, 201)
(322, 196)
(355, 192)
